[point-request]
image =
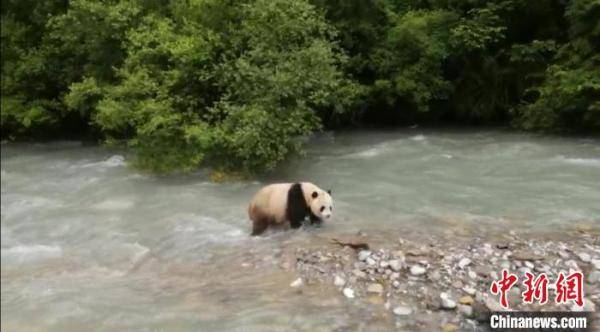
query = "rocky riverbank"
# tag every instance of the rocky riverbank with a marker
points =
(443, 282)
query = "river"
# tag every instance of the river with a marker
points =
(88, 242)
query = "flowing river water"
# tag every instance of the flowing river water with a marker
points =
(89, 243)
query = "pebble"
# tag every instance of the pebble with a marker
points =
(396, 283)
(466, 300)
(464, 262)
(529, 264)
(402, 311)
(449, 328)
(447, 303)
(469, 290)
(296, 283)
(584, 257)
(395, 264)
(370, 261)
(384, 264)
(395, 275)
(472, 274)
(339, 281)
(417, 270)
(363, 255)
(375, 288)
(349, 293)
(596, 263)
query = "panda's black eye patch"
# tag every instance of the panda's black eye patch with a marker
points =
(322, 208)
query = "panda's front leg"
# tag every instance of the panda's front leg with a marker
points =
(314, 220)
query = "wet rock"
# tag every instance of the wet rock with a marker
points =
(417, 270)
(402, 311)
(464, 262)
(296, 283)
(363, 255)
(375, 288)
(348, 292)
(339, 281)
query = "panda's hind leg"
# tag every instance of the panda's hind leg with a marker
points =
(259, 226)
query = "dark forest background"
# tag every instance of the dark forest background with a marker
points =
(232, 84)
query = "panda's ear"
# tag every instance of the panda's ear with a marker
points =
(329, 192)
(315, 194)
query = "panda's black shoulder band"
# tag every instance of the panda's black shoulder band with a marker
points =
(296, 209)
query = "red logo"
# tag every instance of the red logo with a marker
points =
(568, 288)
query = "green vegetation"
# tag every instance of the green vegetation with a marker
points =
(233, 84)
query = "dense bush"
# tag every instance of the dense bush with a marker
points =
(234, 84)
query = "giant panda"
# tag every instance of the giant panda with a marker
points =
(288, 204)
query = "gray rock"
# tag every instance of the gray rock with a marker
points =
(466, 310)
(596, 263)
(472, 274)
(464, 262)
(593, 277)
(370, 261)
(384, 264)
(395, 265)
(417, 270)
(493, 305)
(402, 311)
(359, 273)
(529, 264)
(396, 283)
(585, 257)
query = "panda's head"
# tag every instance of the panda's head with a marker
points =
(321, 204)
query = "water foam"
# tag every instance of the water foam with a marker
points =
(595, 162)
